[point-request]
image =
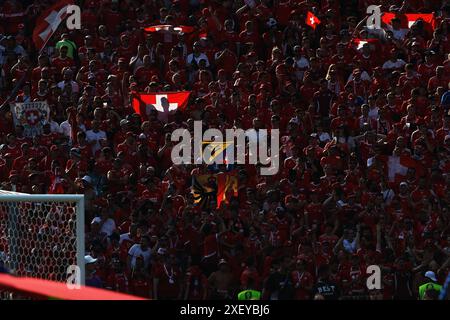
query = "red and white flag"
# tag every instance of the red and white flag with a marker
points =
(358, 43)
(169, 28)
(164, 102)
(397, 167)
(48, 22)
(408, 19)
(312, 20)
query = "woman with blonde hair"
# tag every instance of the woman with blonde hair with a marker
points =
(335, 84)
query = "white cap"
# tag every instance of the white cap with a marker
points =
(88, 259)
(96, 220)
(430, 275)
(162, 251)
(87, 179)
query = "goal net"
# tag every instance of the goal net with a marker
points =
(42, 236)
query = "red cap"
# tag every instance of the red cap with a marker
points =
(53, 148)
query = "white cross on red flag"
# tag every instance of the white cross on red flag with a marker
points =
(408, 19)
(48, 22)
(169, 28)
(312, 20)
(164, 102)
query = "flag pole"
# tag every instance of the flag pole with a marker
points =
(14, 91)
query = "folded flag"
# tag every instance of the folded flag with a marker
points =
(408, 19)
(312, 20)
(164, 102)
(169, 28)
(48, 22)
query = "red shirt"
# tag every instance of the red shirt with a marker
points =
(59, 63)
(301, 280)
(170, 278)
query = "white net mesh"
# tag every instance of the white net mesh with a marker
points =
(38, 238)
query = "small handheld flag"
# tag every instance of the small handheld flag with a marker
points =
(312, 20)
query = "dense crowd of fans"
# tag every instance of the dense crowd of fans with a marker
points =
(364, 173)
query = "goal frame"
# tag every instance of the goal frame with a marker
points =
(77, 198)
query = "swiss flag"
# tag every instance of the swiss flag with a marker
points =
(358, 43)
(312, 20)
(397, 167)
(407, 19)
(48, 22)
(164, 102)
(169, 28)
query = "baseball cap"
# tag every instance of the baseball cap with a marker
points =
(87, 179)
(431, 275)
(96, 220)
(89, 259)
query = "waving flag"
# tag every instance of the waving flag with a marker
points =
(207, 187)
(408, 19)
(48, 22)
(169, 28)
(312, 20)
(358, 43)
(227, 187)
(397, 167)
(164, 102)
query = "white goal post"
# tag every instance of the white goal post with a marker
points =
(42, 235)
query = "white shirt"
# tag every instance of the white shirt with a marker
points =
(373, 113)
(398, 34)
(364, 76)
(324, 137)
(136, 251)
(92, 136)
(202, 56)
(108, 227)
(124, 236)
(349, 246)
(65, 128)
(75, 87)
(54, 126)
(301, 65)
(399, 63)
